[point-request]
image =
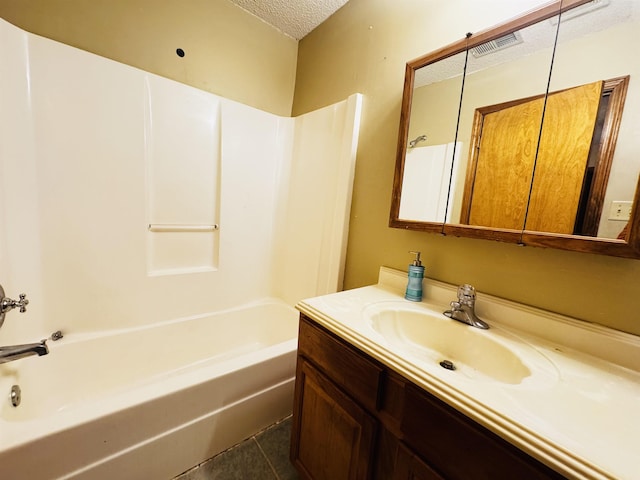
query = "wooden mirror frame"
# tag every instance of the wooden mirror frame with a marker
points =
(629, 248)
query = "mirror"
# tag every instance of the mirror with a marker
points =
(539, 183)
(500, 127)
(430, 152)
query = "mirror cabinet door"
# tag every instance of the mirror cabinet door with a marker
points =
(424, 176)
(589, 158)
(500, 119)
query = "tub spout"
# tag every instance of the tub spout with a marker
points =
(16, 352)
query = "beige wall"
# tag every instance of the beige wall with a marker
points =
(228, 51)
(364, 48)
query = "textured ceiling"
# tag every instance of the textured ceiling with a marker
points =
(295, 18)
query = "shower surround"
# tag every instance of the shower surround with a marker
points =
(131, 203)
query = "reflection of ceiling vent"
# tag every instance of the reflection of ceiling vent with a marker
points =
(498, 44)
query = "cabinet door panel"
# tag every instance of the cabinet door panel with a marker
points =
(333, 437)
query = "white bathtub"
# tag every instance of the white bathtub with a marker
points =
(148, 403)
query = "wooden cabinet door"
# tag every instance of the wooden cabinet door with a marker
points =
(333, 437)
(410, 467)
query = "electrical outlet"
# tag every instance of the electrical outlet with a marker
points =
(620, 211)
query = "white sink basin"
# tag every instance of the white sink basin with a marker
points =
(427, 336)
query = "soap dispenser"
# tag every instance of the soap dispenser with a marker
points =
(414, 285)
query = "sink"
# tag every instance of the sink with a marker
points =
(427, 336)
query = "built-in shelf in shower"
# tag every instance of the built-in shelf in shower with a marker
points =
(182, 149)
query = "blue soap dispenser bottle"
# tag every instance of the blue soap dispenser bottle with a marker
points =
(414, 285)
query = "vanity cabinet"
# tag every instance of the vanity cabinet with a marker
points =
(337, 440)
(354, 418)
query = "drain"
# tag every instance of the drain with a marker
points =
(16, 395)
(448, 364)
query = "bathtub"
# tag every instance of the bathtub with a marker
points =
(148, 403)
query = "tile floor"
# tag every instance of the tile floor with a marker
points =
(265, 456)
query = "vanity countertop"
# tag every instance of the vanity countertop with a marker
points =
(579, 413)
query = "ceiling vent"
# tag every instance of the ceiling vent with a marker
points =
(498, 44)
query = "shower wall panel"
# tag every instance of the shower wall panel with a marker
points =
(94, 152)
(20, 260)
(313, 248)
(88, 114)
(256, 149)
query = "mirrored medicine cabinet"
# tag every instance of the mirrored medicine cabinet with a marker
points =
(528, 132)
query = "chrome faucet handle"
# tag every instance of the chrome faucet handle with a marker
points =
(467, 295)
(463, 309)
(23, 302)
(9, 304)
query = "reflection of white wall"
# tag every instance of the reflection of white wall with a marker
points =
(92, 151)
(425, 182)
(434, 110)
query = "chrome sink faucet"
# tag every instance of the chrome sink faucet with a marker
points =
(463, 310)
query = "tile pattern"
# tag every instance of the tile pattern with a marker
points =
(265, 456)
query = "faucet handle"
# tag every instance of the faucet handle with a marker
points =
(467, 294)
(7, 304)
(23, 302)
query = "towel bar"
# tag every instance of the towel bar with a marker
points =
(159, 227)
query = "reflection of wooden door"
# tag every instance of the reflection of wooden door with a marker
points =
(569, 122)
(504, 165)
(497, 195)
